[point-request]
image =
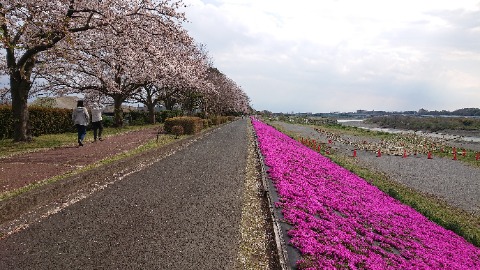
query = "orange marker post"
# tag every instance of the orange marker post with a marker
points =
(404, 153)
(454, 155)
(354, 153)
(379, 153)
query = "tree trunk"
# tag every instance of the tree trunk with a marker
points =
(169, 103)
(151, 112)
(118, 111)
(150, 102)
(19, 89)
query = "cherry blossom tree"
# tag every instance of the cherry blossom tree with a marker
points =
(128, 71)
(4, 96)
(29, 28)
(102, 68)
(228, 98)
(186, 78)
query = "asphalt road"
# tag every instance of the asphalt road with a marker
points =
(182, 212)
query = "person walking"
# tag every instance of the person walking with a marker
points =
(80, 119)
(97, 123)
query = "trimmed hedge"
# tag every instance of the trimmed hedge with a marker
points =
(6, 122)
(164, 115)
(142, 117)
(50, 120)
(191, 125)
(218, 120)
(206, 123)
(44, 120)
(41, 121)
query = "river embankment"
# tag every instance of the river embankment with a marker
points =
(467, 139)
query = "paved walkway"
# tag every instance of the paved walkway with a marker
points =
(182, 212)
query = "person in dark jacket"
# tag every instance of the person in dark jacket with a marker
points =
(81, 119)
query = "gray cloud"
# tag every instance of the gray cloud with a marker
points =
(414, 65)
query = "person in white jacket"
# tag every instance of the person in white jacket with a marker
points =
(97, 125)
(80, 119)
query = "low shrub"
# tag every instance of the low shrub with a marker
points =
(137, 118)
(218, 120)
(177, 131)
(41, 121)
(6, 122)
(164, 115)
(190, 125)
(206, 123)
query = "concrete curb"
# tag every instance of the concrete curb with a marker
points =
(287, 255)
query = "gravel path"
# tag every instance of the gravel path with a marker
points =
(453, 181)
(182, 212)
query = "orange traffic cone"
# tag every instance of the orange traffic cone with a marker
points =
(379, 153)
(404, 153)
(429, 155)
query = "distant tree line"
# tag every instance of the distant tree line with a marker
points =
(460, 112)
(426, 123)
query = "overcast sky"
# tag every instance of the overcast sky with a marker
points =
(345, 55)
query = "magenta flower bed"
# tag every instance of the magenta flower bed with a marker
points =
(341, 221)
